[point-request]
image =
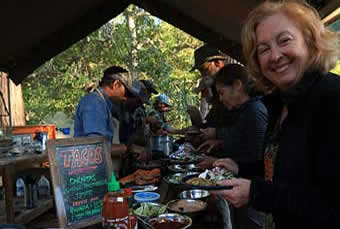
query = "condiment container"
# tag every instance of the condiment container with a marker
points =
(146, 197)
(115, 213)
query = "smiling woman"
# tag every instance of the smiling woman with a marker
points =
(287, 47)
(282, 54)
(284, 40)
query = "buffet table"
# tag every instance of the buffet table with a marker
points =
(10, 169)
(210, 218)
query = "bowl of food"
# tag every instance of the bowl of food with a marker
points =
(176, 178)
(170, 221)
(208, 180)
(189, 207)
(174, 181)
(194, 194)
(149, 209)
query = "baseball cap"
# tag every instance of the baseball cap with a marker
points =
(140, 91)
(207, 53)
(119, 73)
(164, 99)
(149, 86)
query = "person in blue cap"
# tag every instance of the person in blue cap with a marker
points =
(161, 105)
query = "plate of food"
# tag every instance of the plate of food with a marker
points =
(184, 168)
(141, 177)
(208, 179)
(177, 177)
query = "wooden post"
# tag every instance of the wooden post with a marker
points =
(8, 185)
(16, 105)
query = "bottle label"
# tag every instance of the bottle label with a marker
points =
(118, 223)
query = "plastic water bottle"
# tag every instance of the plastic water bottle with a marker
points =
(44, 187)
(20, 186)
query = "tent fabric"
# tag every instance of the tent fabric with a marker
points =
(35, 31)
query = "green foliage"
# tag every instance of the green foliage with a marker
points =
(143, 44)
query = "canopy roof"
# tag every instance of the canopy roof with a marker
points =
(35, 31)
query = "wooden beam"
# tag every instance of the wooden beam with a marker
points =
(28, 215)
(332, 17)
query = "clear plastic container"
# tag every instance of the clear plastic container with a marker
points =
(44, 188)
(20, 187)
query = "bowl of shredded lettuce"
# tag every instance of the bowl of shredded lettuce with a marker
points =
(149, 209)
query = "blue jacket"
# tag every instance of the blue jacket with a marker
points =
(93, 116)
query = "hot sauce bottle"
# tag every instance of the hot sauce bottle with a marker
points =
(115, 213)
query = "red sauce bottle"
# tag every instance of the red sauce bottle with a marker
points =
(115, 213)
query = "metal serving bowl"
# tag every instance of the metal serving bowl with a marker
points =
(191, 208)
(195, 194)
(183, 168)
(171, 218)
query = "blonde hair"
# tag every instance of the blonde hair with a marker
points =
(323, 44)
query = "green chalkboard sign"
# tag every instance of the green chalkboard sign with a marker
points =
(80, 169)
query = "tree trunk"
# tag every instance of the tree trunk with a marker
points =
(131, 23)
(16, 110)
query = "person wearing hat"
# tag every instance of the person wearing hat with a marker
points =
(140, 125)
(137, 112)
(147, 90)
(161, 105)
(94, 115)
(148, 84)
(208, 61)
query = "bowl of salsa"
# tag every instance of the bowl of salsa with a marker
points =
(170, 221)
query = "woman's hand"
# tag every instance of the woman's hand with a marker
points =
(209, 133)
(228, 164)
(238, 196)
(210, 144)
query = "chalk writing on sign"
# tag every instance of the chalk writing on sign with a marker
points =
(83, 180)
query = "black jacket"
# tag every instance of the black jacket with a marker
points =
(305, 191)
(243, 140)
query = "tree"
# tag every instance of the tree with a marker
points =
(146, 46)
